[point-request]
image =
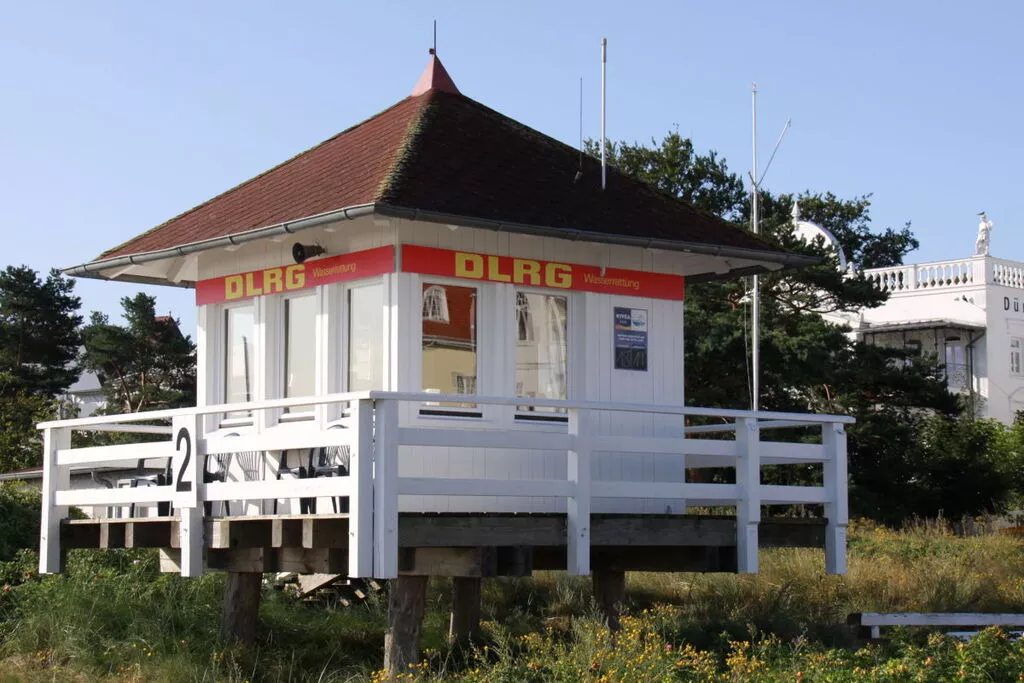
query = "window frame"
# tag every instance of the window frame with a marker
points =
(479, 318)
(343, 328)
(570, 297)
(281, 357)
(220, 359)
(1016, 353)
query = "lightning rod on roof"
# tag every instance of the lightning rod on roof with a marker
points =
(433, 50)
(604, 82)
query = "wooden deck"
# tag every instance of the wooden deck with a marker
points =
(451, 544)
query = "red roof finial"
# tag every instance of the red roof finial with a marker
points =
(434, 78)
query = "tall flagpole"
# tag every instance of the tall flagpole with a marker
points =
(755, 228)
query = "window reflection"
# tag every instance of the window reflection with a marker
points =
(449, 340)
(365, 332)
(541, 348)
(238, 356)
(300, 348)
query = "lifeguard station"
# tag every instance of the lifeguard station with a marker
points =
(435, 345)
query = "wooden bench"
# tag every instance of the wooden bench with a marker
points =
(870, 623)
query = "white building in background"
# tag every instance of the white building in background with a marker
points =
(86, 395)
(969, 312)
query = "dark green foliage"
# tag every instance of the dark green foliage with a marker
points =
(20, 410)
(38, 332)
(39, 341)
(146, 364)
(19, 519)
(900, 465)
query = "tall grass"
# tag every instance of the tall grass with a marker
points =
(113, 616)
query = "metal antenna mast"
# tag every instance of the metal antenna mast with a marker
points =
(604, 81)
(755, 227)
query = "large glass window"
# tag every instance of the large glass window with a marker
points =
(449, 340)
(300, 348)
(238, 357)
(542, 351)
(365, 332)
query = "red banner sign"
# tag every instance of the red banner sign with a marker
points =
(325, 271)
(534, 273)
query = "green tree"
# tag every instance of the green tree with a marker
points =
(807, 363)
(20, 410)
(145, 364)
(39, 335)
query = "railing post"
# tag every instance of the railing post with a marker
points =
(188, 467)
(55, 478)
(385, 491)
(360, 473)
(833, 441)
(748, 481)
(578, 508)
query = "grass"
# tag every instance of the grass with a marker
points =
(113, 617)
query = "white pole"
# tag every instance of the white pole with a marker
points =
(604, 81)
(756, 299)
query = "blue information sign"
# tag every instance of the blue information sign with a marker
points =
(630, 338)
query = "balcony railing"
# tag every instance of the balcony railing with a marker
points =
(377, 426)
(978, 270)
(927, 276)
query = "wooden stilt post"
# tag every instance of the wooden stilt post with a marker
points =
(406, 602)
(610, 594)
(465, 622)
(240, 615)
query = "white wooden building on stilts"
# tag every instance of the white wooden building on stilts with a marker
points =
(429, 346)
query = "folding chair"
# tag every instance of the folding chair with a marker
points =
(331, 461)
(299, 472)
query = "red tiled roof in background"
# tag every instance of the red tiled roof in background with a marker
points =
(442, 152)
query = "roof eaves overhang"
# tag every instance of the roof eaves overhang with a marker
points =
(778, 259)
(94, 269)
(936, 323)
(772, 259)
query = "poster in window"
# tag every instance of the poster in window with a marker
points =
(631, 339)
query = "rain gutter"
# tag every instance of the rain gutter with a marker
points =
(781, 258)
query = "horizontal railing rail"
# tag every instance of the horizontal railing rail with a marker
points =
(374, 430)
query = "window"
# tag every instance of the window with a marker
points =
(542, 359)
(365, 335)
(299, 348)
(435, 304)
(449, 341)
(1015, 344)
(238, 357)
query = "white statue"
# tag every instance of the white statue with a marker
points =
(984, 231)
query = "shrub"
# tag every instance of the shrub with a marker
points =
(19, 519)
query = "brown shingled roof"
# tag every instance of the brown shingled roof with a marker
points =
(444, 153)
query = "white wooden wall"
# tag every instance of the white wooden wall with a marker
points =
(591, 352)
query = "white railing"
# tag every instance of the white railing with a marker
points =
(924, 276)
(1008, 273)
(373, 486)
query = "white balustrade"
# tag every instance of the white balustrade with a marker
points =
(1008, 273)
(924, 276)
(375, 432)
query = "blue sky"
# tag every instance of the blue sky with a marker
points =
(119, 115)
